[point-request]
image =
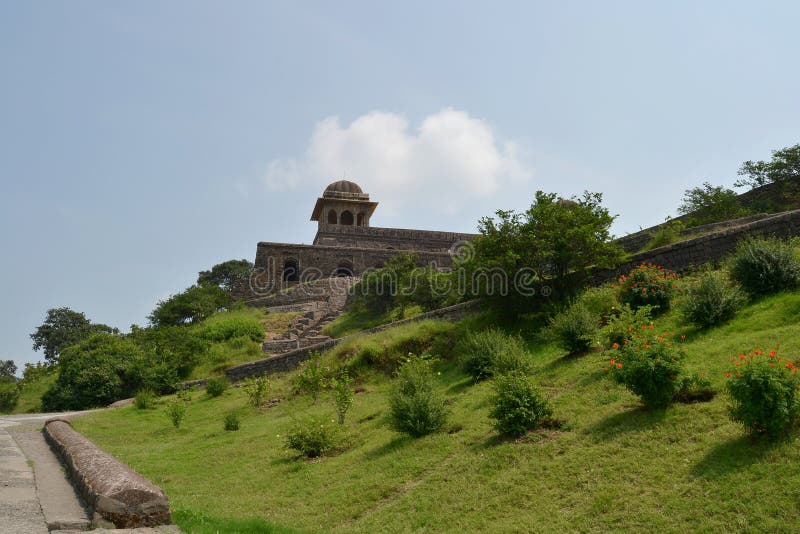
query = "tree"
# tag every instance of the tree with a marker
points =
(191, 306)
(8, 369)
(782, 168)
(62, 328)
(226, 274)
(546, 251)
(710, 204)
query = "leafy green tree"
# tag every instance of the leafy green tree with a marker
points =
(8, 369)
(782, 168)
(546, 251)
(62, 328)
(710, 204)
(179, 349)
(226, 274)
(191, 306)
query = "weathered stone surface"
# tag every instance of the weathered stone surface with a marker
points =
(111, 489)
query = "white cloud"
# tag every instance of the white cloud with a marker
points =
(449, 160)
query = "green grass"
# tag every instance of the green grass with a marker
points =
(30, 399)
(615, 466)
(353, 321)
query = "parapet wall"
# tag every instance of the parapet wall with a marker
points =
(708, 248)
(388, 238)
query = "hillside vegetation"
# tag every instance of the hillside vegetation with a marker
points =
(612, 465)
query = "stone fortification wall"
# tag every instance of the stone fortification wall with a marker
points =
(388, 238)
(708, 248)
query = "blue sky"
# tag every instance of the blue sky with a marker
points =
(141, 142)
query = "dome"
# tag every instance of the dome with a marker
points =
(344, 186)
(345, 189)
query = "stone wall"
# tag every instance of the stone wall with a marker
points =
(388, 238)
(290, 360)
(708, 248)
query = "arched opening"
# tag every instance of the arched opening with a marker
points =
(345, 268)
(332, 217)
(346, 218)
(291, 271)
(360, 219)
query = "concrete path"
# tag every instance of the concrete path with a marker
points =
(48, 499)
(20, 512)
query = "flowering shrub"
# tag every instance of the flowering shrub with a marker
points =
(646, 285)
(763, 388)
(313, 437)
(649, 365)
(312, 377)
(518, 405)
(627, 323)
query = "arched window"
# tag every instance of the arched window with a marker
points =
(346, 218)
(360, 219)
(332, 217)
(345, 268)
(291, 271)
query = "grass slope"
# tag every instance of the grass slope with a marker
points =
(616, 466)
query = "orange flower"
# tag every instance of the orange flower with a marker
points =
(683, 336)
(615, 345)
(727, 375)
(773, 353)
(619, 365)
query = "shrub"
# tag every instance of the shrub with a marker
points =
(574, 328)
(145, 399)
(666, 234)
(626, 324)
(415, 407)
(601, 301)
(9, 395)
(712, 300)
(647, 285)
(225, 328)
(765, 266)
(232, 422)
(217, 385)
(176, 411)
(312, 376)
(649, 366)
(518, 405)
(709, 204)
(491, 352)
(342, 395)
(313, 437)
(257, 390)
(763, 389)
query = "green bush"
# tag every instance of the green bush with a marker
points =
(694, 388)
(650, 367)
(574, 329)
(647, 285)
(666, 234)
(145, 399)
(626, 324)
(232, 422)
(225, 328)
(415, 407)
(601, 301)
(764, 266)
(712, 300)
(313, 437)
(518, 405)
(763, 389)
(9, 395)
(176, 411)
(257, 390)
(491, 352)
(217, 385)
(342, 395)
(312, 377)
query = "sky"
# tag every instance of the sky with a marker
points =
(142, 142)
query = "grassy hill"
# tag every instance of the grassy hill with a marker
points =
(614, 466)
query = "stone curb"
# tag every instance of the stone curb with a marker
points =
(114, 492)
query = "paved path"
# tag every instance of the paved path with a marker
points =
(39, 497)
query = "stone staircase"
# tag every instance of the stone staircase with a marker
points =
(305, 330)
